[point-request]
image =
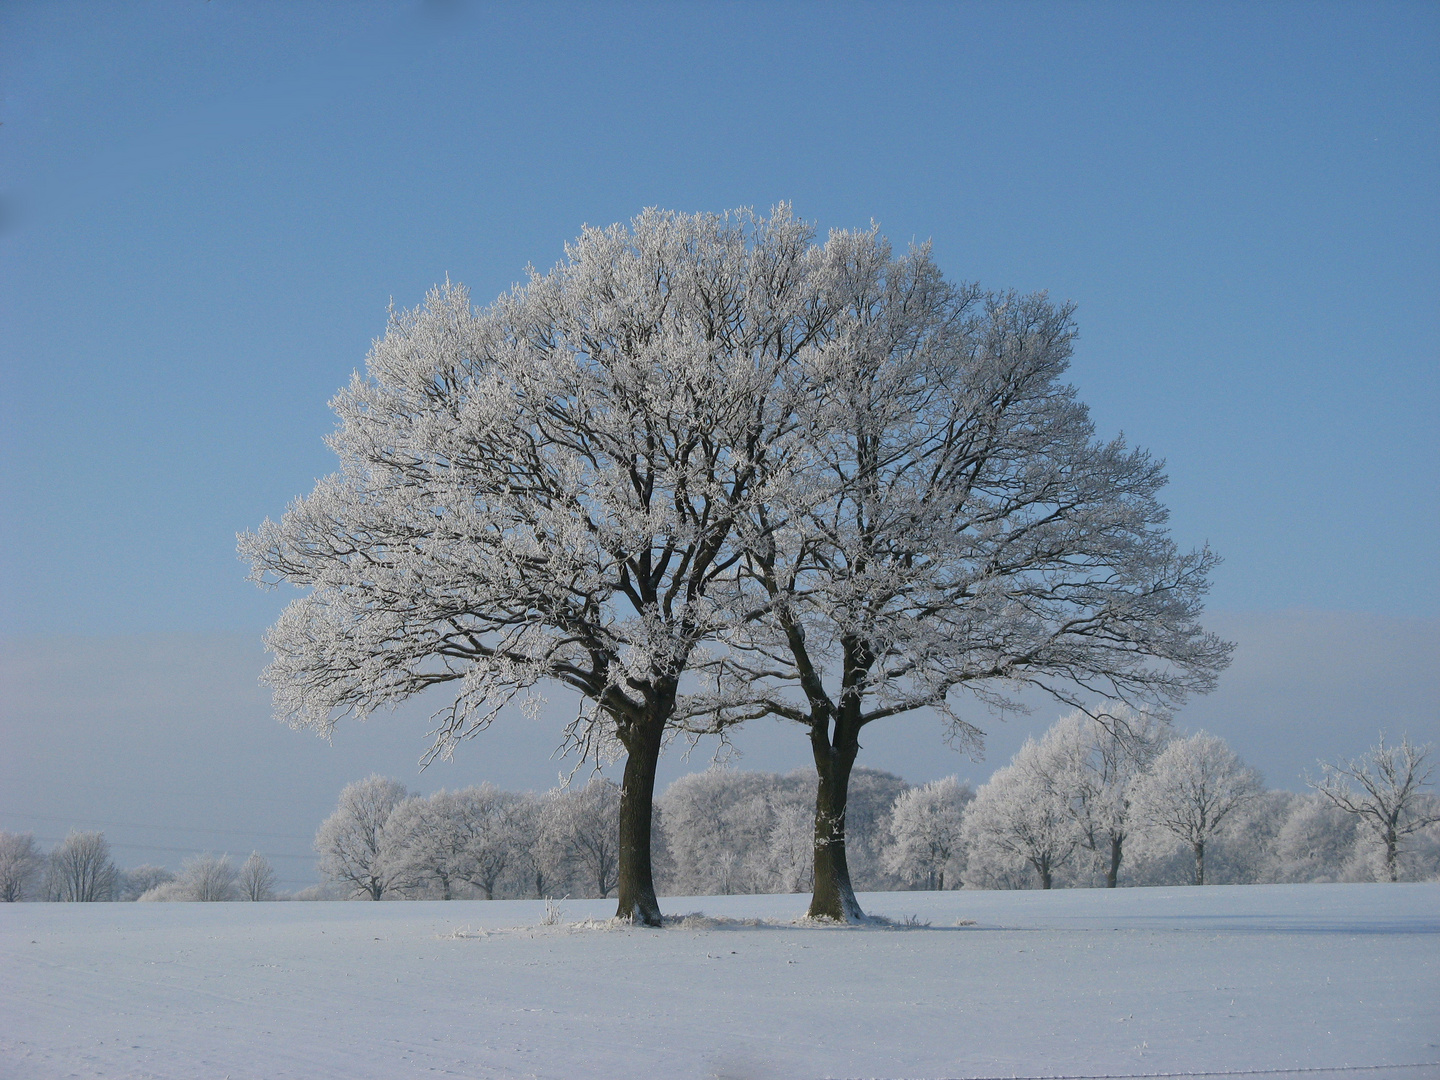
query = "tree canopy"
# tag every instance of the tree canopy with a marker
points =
(706, 469)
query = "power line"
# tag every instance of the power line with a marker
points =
(177, 850)
(153, 828)
(1297, 1071)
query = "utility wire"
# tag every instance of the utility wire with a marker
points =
(177, 850)
(155, 828)
(1297, 1071)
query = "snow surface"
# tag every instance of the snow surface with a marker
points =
(1076, 981)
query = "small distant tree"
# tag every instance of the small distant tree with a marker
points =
(539, 861)
(1096, 763)
(492, 835)
(80, 869)
(142, 879)
(587, 823)
(352, 842)
(926, 827)
(1383, 790)
(1315, 841)
(1191, 791)
(257, 878)
(1018, 817)
(1248, 851)
(425, 838)
(20, 863)
(718, 826)
(207, 878)
(791, 847)
(454, 837)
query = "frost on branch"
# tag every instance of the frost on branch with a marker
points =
(926, 829)
(354, 842)
(820, 481)
(1192, 791)
(950, 524)
(1383, 790)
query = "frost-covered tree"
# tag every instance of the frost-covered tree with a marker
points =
(256, 880)
(491, 836)
(718, 827)
(207, 878)
(453, 837)
(141, 879)
(1192, 789)
(585, 821)
(1383, 790)
(80, 869)
(868, 806)
(1096, 762)
(550, 490)
(926, 829)
(426, 841)
(352, 841)
(1314, 842)
(952, 524)
(539, 855)
(1247, 850)
(1018, 818)
(791, 848)
(734, 831)
(20, 865)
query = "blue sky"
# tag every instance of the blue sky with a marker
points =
(206, 208)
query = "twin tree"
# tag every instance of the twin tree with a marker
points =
(707, 470)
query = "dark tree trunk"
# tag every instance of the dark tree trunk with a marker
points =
(833, 896)
(1046, 876)
(636, 882)
(1200, 863)
(1112, 875)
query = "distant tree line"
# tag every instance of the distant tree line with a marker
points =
(1113, 799)
(80, 870)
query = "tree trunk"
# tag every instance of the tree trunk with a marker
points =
(833, 896)
(1200, 863)
(1047, 878)
(1392, 851)
(1112, 875)
(636, 884)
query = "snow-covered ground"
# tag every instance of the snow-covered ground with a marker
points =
(1135, 981)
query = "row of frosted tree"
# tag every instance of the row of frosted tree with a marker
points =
(1111, 799)
(1114, 799)
(80, 869)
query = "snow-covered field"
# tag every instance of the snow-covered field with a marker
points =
(1135, 981)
